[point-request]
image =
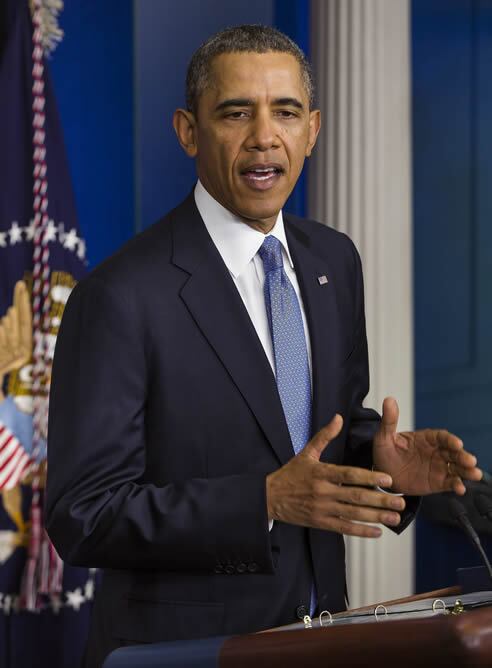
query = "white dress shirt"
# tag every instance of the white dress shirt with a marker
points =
(238, 245)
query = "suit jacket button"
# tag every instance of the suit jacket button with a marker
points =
(301, 611)
(229, 569)
(241, 568)
(218, 569)
(252, 567)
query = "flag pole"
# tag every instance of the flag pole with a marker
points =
(44, 569)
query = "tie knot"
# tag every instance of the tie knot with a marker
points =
(271, 254)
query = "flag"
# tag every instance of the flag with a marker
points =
(14, 460)
(44, 607)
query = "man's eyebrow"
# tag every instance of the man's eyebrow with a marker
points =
(288, 102)
(248, 102)
(235, 102)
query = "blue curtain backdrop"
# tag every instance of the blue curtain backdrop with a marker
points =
(119, 75)
(452, 173)
(92, 72)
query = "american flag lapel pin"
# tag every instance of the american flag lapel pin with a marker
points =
(322, 280)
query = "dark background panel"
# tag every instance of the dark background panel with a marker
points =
(92, 74)
(452, 170)
(443, 94)
(293, 18)
(483, 257)
(441, 550)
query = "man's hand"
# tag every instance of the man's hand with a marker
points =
(310, 493)
(422, 462)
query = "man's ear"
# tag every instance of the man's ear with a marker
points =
(314, 127)
(184, 124)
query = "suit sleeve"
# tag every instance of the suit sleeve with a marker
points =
(364, 422)
(99, 513)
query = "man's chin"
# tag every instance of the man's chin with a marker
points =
(254, 209)
(262, 216)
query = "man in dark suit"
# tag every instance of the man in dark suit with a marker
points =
(207, 441)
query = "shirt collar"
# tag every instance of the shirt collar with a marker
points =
(236, 241)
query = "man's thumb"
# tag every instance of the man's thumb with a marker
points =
(391, 413)
(326, 434)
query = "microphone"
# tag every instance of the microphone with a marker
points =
(459, 513)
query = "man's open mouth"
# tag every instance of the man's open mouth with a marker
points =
(262, 176)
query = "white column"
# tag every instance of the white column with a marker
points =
(359, 182)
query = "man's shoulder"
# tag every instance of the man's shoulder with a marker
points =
(142, 257)
(325, 239)
(142, 249)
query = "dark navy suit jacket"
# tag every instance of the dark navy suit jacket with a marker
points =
(165, 419)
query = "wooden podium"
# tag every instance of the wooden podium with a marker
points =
(463, 640)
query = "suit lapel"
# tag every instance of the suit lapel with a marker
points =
(323, 321)
(218, 310)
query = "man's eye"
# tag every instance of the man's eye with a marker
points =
(286, 113)
(236, 114)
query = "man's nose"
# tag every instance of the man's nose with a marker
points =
(263, 133)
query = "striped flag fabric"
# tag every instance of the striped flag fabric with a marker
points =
(14, 460)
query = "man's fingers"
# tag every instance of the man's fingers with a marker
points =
(461, 465)
(348, 528)
(391, 413)
(351, 475)
(367, 497)
(320, 440)
(363, 514)
(446, 441)
(466, 459)
(462, 459)
(465, 472)
(455, 484)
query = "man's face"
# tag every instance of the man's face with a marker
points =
(252, 133)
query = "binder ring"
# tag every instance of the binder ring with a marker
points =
(308, 622)
(382, 608)
(328, 614)
(458, 607)
(438, 605)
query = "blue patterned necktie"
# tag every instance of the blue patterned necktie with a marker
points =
(289, 350)
(289, 344)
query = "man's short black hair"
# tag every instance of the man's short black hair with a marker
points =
(239, 39)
